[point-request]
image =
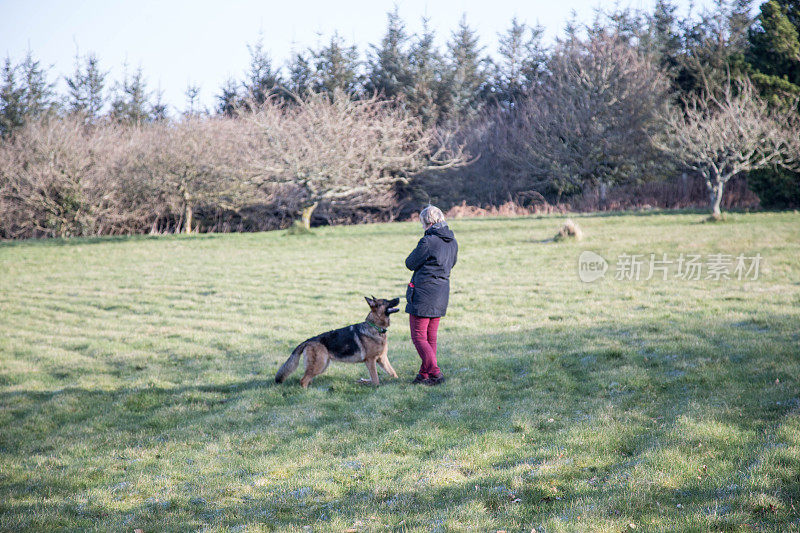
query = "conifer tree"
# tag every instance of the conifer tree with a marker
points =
(521, 62)
(159, 110)
(12, 114)
(228, 98)
(192, 94)
(336, 66)
(427, 95)
(389, 65)
(774, 52)
(38, 93)
(663, 39)
(301, 74)
(85, 88)
(25, 94)
(468, 72)
(773, 59)
(262, 79)
(714, 46)
(131, 99)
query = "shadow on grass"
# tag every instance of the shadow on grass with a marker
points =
(557, 389)
(81, 241)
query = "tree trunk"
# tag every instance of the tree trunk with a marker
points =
(603, 190)
(179, 224)
(306, 215)
(716, 200)
(188, 226)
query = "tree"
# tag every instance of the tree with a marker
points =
(25, 94)
(12, 110)
(336, 67)
(159, 110)
(195, 162)
(48, 175)
(85, 88)
(427, 95)
(347, 152)
(740, 20)
(628, 25)
(192, 93)
(590, 121)
(714, 45)
(663, 39)
(723, 133)
(131, 101)
(301, 74)
(774, 53)
(773, 59)
(262, 79)
(522, 61)
(468, 74)
(228, 99)
(37, 98)
(389, 65)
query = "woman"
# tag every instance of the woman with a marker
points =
(429, 289)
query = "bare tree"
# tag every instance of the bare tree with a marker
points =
(590, 121)
(48, 175)
(346, 152)
(190, 163)
(724, 134)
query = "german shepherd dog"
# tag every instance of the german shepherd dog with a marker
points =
(365, 341)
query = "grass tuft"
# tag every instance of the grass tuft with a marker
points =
(569, 230)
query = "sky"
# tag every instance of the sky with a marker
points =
(204, 43)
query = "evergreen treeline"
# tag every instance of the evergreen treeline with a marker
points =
(441, 86)
(506, 113)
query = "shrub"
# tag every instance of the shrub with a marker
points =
(776, 187)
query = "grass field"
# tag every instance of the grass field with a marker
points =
(136, 384)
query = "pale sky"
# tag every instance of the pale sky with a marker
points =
(182, 42)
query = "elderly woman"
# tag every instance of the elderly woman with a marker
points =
(429, 290)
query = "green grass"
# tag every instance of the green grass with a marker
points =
(136, 384)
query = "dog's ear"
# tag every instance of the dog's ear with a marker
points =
(370, 301)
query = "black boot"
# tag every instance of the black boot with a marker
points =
(436, 380)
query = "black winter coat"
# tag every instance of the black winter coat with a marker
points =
(431, 261)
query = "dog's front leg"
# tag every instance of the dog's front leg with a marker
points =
(383, 362)
(373, 372)
(387, 367)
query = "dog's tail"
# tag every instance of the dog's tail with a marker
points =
(291, 364)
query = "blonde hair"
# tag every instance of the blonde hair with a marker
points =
(431, 215)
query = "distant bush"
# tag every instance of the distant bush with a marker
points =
(62, 177)
(54, 179)
(776, 187)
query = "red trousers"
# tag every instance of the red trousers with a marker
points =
(423, 335)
